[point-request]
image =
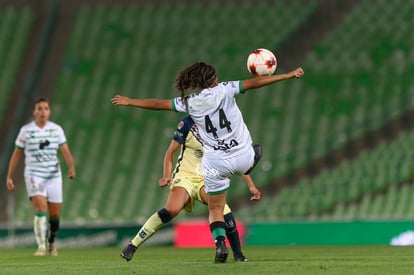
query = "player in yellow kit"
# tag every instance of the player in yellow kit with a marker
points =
(186, 186)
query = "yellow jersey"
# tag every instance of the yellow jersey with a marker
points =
(189, 161)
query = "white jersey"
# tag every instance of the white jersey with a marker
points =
(40, 147)
(222, 128)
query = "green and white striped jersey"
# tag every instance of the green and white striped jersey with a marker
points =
(41, 147)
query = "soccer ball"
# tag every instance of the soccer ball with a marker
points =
(261, 62)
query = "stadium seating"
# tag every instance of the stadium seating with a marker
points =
(377, 184)
(136, 51)
(357, 78)
(15, 24)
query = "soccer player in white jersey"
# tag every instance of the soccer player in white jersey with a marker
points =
(40, 141)
(227, 143)
(186, 186)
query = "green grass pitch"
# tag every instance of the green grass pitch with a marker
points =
(170, 260)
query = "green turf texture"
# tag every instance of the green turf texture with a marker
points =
(170, 260)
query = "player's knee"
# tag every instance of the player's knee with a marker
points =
(217, 206)
(164, 215)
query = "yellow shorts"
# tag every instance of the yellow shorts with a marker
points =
(192, 186)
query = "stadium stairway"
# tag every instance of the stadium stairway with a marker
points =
(15, 26)
(19, 24)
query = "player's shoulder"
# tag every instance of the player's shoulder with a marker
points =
(54, 127)
(230, 87)
(183, 128)
(234, 84)
(185, 124)
(51, 124)
(29, 125)
(188, 121)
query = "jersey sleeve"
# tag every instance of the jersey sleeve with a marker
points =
(182, 130)
(61, 136)
(233, 87)
(178, 105)
(21, 139)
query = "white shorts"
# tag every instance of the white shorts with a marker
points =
(217, 172)
(49, 188)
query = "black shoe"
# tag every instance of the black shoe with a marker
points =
(128, 252)
(221, 253)
(240, 258)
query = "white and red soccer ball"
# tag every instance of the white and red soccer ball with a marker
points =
(261, 62)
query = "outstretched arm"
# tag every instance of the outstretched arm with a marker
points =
(253, 189)
(261, 81)
(168, 163)
(148, 103)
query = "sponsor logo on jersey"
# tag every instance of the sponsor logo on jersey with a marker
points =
(30, 134)
(178, 134)
(180, 125)
(222, 145)
(52, 132)
(43, 144)
(198, 153)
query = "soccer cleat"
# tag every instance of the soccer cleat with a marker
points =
(128, 252)
(52, 250)
(240, 258)
(41, 251)
(221, 253)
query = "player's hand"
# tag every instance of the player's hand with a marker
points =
(120, 100)
(71, 173)
(255, 193)
(164, 181)
(297, 73)
(10, 184)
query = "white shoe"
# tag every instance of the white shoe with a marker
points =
(41, 251)
(52, 250)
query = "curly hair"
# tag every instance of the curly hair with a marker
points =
(195, 77)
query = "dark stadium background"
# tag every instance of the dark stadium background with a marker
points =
(338, 159)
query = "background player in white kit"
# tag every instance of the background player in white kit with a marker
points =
(40, 141)
(227, 143)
